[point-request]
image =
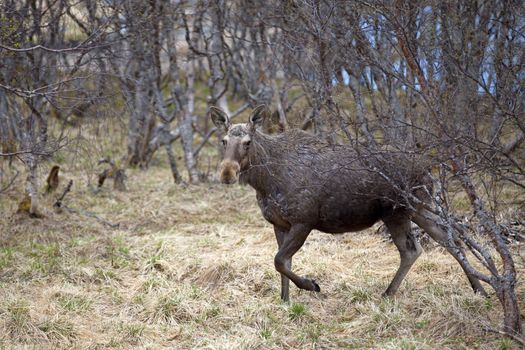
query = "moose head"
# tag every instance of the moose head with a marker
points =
(237, 141)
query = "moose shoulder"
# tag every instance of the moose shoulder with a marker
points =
(303, 183)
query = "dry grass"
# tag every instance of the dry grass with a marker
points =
(192, 268)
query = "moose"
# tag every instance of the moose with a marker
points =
(303, 183)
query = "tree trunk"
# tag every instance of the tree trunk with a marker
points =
(214, 57)
(137, 123)
(360, 108)
(504, 282)
(511, 312)
(32, 184)
(173, 164)
(31, 163)
(186, 127)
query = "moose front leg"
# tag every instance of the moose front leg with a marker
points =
(291, 242)
(285, 281)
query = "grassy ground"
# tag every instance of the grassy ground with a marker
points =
(192, 267)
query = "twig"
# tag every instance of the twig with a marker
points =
(92, 215)
(307, 121)
(58, 203)
(11, 154)
(239, 110)
(10, 182)
(514, 337)
(204, 141)
(82, 46)
(292, 102)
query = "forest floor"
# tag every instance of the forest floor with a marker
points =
(191, 267)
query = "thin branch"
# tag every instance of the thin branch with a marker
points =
(515, 337)
(92, 215)
(204, 141)
(58, 203)
(38, 153)
(79, 47)
(10, 182)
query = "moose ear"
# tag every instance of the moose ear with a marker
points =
(219, 118)
(257, 117)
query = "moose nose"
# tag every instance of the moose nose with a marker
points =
(229, 172)
(229, 181)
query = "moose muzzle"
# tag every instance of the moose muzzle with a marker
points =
(229, 171)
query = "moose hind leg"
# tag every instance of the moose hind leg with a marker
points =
(291, 243)
(408, 247)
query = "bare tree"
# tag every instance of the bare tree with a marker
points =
(38, 65)
(442, 79)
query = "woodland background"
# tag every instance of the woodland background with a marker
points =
(96, 90)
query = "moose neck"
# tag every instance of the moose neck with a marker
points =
(259, 172)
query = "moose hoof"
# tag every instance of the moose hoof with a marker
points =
(315, 287)
(387, 294)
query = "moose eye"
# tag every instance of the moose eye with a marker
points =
(246, 144)
(224, 142)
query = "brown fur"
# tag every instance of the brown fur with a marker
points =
(303, 183)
